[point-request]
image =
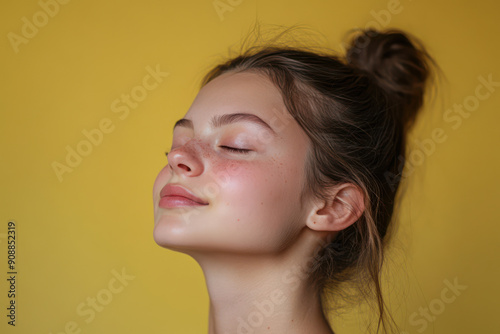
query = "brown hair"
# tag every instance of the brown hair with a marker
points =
(356, 112)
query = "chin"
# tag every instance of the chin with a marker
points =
(176, 237)
(167, 235)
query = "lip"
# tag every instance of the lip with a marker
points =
(173, 196)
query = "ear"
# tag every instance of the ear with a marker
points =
(343, 207)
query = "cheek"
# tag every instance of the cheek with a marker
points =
(259, 190)
(261, 204)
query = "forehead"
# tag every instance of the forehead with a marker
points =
(245, 92)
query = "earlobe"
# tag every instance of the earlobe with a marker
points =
(341, 209)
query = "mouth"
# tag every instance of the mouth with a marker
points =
(174, 196)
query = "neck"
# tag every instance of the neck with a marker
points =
(262, 293)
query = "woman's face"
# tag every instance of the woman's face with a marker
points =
(240, 152)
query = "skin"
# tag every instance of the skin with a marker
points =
(255, 238)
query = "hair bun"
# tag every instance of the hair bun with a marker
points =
(398, 65)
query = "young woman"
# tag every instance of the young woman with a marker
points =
(282, 176)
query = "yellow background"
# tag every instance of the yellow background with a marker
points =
(73, 234)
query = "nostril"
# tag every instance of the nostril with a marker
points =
(186, 168)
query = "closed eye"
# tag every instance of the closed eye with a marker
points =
(236, 150)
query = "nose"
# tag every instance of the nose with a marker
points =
(185, 160)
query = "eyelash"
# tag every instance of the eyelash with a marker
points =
(232, 149)
(236, 150)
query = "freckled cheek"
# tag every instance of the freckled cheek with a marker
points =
(231, 175)
(247, 185)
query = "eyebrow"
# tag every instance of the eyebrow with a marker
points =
(220, 120)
